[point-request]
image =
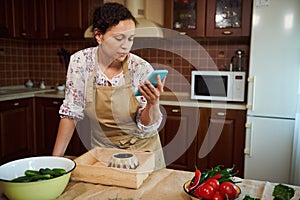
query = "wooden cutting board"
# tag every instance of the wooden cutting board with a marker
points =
(93, 167)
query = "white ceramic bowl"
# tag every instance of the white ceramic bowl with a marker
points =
(38, 190)
(60, 88)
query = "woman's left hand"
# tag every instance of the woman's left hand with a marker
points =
(152, 93)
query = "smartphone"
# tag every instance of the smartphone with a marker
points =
(152, 78)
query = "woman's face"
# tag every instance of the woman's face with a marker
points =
(118, 40)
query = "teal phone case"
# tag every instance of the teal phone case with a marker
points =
(152, 78)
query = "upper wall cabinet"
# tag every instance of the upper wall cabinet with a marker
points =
(209, 18)
(185, 16)
(228, 18)
(66, 18)
(6, 23)
(69, 18)
(23, 19)
(29, 19)
(42, 19)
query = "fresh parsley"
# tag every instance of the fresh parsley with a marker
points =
(283, 192)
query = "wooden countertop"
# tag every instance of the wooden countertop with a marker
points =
(163, 184)
(168, 98)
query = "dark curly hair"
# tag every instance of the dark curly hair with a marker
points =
(110, 14)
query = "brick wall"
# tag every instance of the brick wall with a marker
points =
(21, 60)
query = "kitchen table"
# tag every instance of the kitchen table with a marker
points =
(164, 184)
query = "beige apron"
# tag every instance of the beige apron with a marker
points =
(112, 112)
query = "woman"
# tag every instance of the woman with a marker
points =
(100, 85)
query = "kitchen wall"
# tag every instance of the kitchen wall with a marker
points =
(21, 60)
(154, 9)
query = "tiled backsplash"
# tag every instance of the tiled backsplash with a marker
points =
(21, 60)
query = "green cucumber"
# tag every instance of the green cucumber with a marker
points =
(32, 178)
(47, 171)
(21, 179)
(59, 171)
(40, 177)
(31, 172)
(41, 174)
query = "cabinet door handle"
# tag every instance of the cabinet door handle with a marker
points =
(182, 33)
(66, 34)
(227, 32)
(221, 113)
(175, 111)
(55, 102)
(16, 104)
(23, 34)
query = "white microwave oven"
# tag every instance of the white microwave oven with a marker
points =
(218, 85)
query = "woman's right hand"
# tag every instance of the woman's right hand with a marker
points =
(152, 93)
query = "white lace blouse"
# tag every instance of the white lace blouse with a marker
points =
(81, 65)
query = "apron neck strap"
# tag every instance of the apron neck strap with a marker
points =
(125, 70)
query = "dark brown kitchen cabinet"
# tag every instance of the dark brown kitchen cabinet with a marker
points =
(47, 121)
(185, 16)
(16, 129)
(66, 18)
(225, 132)
(23, 19)
(6, 22)
(208, 18)
(29, 19)
(228, 18)
(178, 134)
(69, 18)
(43, 19)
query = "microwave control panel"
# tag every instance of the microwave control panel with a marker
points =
(238, 86)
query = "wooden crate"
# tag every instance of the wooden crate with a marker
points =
(93, 167)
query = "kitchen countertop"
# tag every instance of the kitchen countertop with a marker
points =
(163, 184)
(21, 92)
(167, 98)
(183, 99)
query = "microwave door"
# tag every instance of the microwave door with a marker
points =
(212, 87)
